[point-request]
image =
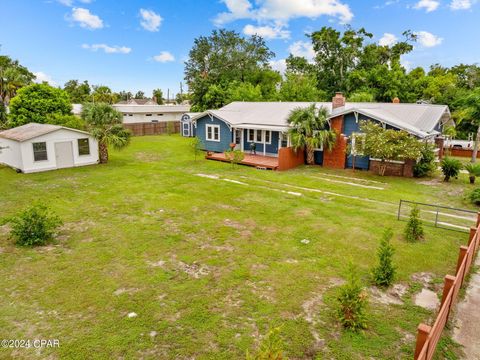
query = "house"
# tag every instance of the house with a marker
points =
(265, 124)
(134, 113)
(186, 124)
(41, 147)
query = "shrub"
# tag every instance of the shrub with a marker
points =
(34, 226)
(426, 164)
(473, 171)
(235, 156)
(450, 168)
(414, 228)
(475, 196)
(271, 347)
(384, 273)
(196, 146)
(352, 301)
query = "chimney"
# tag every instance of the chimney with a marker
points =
(338, 100)
(396, 100)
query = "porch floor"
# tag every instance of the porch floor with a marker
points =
(259, 161)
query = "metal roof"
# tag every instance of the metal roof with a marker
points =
(32, 130)
(143, 109)
(418, 119)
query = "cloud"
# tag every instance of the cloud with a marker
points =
(267, 32)
(283, 10)
(428, 5)
(461, 4)
(164, 56)
(41, 77)
(108, 49)
(151, 21)
(302, 49)
(387, 40)
(86, 19)
(427, 39)
(279, 65)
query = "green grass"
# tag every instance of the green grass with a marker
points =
(233, 264)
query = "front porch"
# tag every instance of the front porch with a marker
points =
(258, 161)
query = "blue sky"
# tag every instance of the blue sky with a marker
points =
(141, 45)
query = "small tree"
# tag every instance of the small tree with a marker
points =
(474, 196)
(384, 273)
(414, 227)
(352, 301)
(235, 156)
(271, 347)
(387, 144)
(196, 146)
(426, 164)
(34, 226)
(473, 171)
(450, 168)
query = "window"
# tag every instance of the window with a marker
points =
(284, 141)
(83, 147)
(154, 121)
(268, 137)
(130, 114)
(251, 135)
(40, 151)
(159, 114)
(258, 136)
(148, 114)
(213, 132)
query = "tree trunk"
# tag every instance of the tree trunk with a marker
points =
(103, 152)
(472, 179)
(475, 146)
(310, 155)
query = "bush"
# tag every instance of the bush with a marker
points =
(425, 166)
(271, 347)
(475, 196)
(473, 171)
(414, 228)
(196, 146)
(352, 302)
(34, 226)
(450, 168)
(384, 273)
(235, 156)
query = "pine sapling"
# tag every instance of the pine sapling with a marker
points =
(414, 228)
(384, 273)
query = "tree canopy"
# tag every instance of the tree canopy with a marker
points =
(13, 76)
(78, 92)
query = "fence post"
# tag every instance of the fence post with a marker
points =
(422, 337)
(449, 280)
(399, 209)
(461, 256)
(473, 230)
(478, 218)
(436, 218)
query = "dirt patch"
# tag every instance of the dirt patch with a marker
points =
(392, 296)
(426, 299)
(244, 229)
(219, 248)
(121, 291)
(303, 212)
(159, 263)
(148, 157)
(5, 229)
(194, 270)
(262, 290)
(424, 278)
(432, 182)
(79, 226)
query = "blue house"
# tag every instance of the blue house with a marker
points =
(265, 124)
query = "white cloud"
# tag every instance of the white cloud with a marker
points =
(108, 49)
(427, 39)
(164, 56)
(461, 4)
(267, 32)
(86, 19)
(151, 21)
(279, 65)
(40, 77)
(387, 40)
(407, 64)
(303, 49)
(428, 5)
(283, 10)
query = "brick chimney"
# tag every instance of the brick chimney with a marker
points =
(338, 100)
(396, 100)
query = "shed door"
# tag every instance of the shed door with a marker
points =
(186, 129)
(64, 154)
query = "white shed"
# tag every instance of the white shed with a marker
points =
(42, 147)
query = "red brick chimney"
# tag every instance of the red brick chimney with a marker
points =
(338, 100)
(396, 100)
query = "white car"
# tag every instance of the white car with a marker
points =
(459, 144)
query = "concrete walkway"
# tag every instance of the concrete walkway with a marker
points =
(467, 318)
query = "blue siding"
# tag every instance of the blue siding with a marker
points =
(225, 134)
(270, 148)
(350, 125)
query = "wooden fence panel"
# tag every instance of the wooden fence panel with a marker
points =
(140, 129)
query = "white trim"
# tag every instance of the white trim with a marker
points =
(262, 136)
(212, 127)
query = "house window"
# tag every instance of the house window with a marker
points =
(40, 151)
(268, 137)
(258, 136)
(83, 147)
(284, 141)
(159, 114)
(130, 114)
(148, 114)
(213, 132)
(154, 121)
(251, 135)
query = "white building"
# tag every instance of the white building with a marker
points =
(42, 147)
(150, 113)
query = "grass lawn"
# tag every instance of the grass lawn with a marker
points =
(210, 263)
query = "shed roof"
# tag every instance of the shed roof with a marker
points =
(32, 130)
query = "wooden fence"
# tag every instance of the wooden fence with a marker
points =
(428, 336)
(140, 129)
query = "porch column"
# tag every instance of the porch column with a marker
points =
(242, 140)
(264, 144)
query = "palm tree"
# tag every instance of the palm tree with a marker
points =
(310, 129)
(470, 111)
(105, 124)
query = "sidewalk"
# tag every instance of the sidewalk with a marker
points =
(467, 318)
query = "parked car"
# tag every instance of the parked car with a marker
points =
(458, 144)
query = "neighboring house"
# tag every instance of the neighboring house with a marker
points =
(186, 124)
(77, 109)
(265, 124)
(40, 147)
(150, 113)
